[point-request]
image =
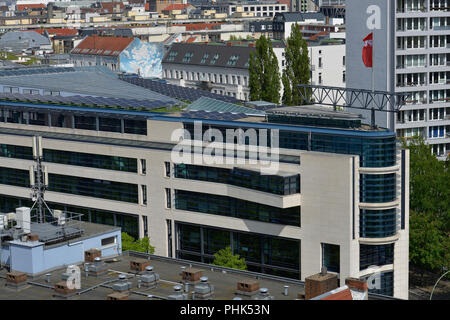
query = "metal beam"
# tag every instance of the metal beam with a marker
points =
(353, 98)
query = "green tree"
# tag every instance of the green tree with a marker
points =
(297, 69)
(225, 258)
(429, 207)
(264, 74)
(140, 245)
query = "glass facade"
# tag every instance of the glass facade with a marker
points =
(104, 189)
(316, 122)
(12, 151)
(240, 178)
(15, 177)
(262, 253)
(377, 188)
(386, 284)
(91, 160)
(108, 124)
(375, 255)
(373, 151)
(378, 223)
(330, 257)
(232, 207)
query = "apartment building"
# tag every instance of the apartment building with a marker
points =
(412, 55)
(338, 198)
(217, 67)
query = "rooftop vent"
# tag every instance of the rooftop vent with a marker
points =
(91, 254)
(139, 265)
(191, 275)
(247, 287)
(118, 296)
(320, 283)
(99, 267)
(177, 294)
(203, 290)
(122, 285)
(16, 280)
(62, 289)
(263, 295)
(149, 278)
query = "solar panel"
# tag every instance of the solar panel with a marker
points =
(177, 92)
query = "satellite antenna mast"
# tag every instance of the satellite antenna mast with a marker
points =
(38, 180)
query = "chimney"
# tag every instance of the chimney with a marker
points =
(320, 283)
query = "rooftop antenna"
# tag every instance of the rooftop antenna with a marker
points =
(38, 180)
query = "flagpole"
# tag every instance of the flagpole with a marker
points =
(373, 82)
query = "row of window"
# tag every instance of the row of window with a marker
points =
(262, 253)
(74, 122)
(91, 160)
(373, 152)
(241, 178)
(232, 207)
(210, 77)
(104, 189)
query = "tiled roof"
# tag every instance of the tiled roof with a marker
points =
(104, 46)
(58, 31)
(341, 295)
(21, 7)
(191, 39)
(176, 6)
(110, 6)
(199, 26)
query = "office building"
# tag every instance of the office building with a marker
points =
(337, 195)
(411, 55)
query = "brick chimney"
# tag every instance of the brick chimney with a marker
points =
(320, 283)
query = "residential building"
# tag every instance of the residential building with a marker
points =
(338, 199)
(217, 67)
(119, 54)
(30, 41)
(412, 56)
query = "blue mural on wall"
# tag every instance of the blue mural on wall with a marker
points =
(143, 58)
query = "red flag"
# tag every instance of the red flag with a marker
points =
(368, 51)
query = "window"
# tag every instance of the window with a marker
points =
(320, 78)
(233, 59)
(145, 225)
(320, 62)
(108, 241)
(205, 56)
(168, 198)
(143, 166)
(214, 59)
(343, 61)
(188, 56)
(330, 257)
(144, 194)
(167, 167)
(172, 56)
(343, 76)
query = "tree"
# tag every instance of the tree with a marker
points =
(140, 245)
(429, 207)
(264, 74)
(297, 69)
(225, 258)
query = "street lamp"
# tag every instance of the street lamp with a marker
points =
(437, 283)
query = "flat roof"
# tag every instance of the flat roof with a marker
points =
(314, 111)
(224, 281)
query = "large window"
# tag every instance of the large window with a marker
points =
(91, 160)
(12, 151)
(385, 283)
(262, 253)
(377, 187)
(104, 189)
(232, 207)
(377, 223)
(14, 177)
(375, 255)
(330, 257)
(282, 185)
